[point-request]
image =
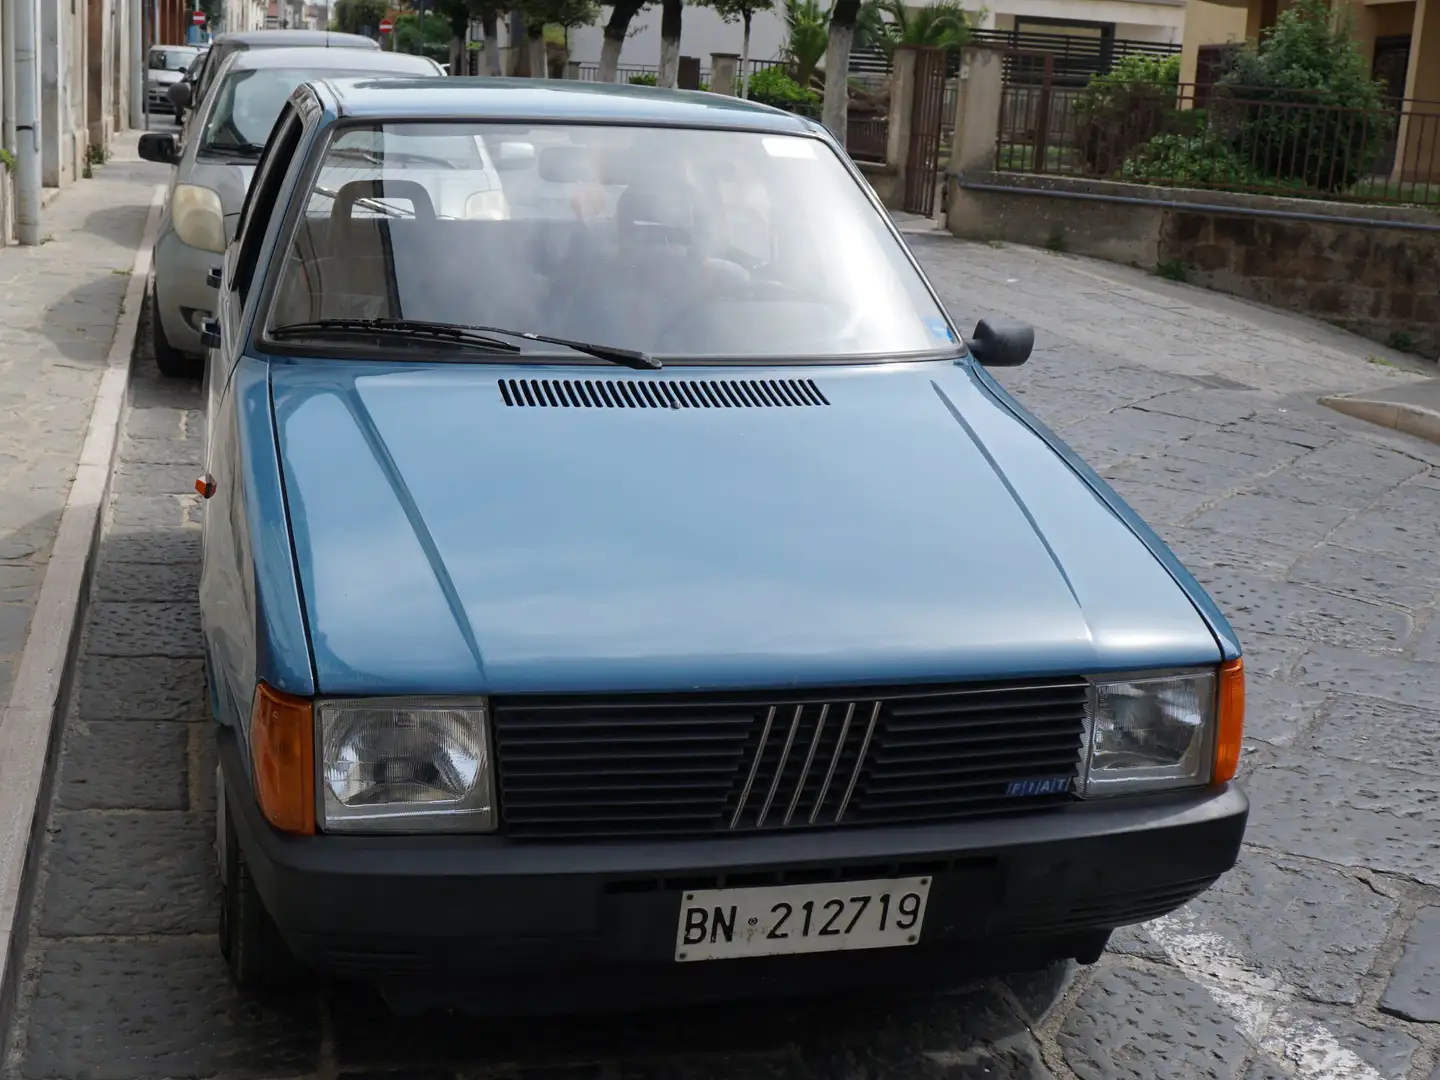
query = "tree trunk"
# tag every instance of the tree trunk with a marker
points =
(492, 43)
(745, 56)
(615, 30)
(458, 57)
(669, 43)
(539, 61)
(519, 50)
(837, 67)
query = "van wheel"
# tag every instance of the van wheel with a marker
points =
(259, 960)
(173, 363)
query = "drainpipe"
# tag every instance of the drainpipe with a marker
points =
(27, 123)
(7, 69)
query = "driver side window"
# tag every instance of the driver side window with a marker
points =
(264, 192)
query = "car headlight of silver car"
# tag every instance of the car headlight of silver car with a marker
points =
(199, 217)
(1156, 730)
(404, 765)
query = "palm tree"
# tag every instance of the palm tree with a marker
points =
(807, 31)
(943, 24)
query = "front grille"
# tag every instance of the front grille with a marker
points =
(614, 767)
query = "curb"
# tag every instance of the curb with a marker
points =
(1399, 416)
(42, 677)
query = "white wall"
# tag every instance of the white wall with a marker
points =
(701, 33)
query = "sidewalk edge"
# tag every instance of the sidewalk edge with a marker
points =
(1399, 416)
(42, 676)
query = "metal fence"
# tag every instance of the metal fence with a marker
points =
(1231, 138)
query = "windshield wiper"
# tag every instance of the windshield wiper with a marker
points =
(239, 149)
(410, 328)
(389, 156)
(464, 334)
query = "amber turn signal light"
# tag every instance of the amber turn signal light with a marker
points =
(1231, 728)
(205, 485)
(282, 746)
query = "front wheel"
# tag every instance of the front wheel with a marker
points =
(259, 960)
(173, 363)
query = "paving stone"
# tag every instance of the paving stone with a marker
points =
(1276, 712)
(142, 688)
(144, 629)
(1353, 671)
(1209, 478)
(1127, 1021)
(1413, 992)
(138, 544)
(1158, 504)
(1204, 551)
(1305, 485)
(156, 511)
(20, 582)
(1287, 525)
(1346, 813)
(155, 424)
(1425, 646)
(1315, 928)
(113, 764)
(1209, 406)
(139, 478)
(1377, 733)
(136, 1010)
(1268, 655)
(1310, 614)
(129, 582)
(1386, 1050)
(121, 872)
(1409, 581)
(1394, 532)
(14, 626)
(1039, 991)
(163, 451)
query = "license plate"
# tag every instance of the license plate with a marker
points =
(724, 924)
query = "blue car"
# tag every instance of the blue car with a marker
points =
(623, 583)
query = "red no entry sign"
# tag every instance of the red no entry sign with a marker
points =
(198, 18)
(386, 26)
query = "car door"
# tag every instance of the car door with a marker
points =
(227, 576)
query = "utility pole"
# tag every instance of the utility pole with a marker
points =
(27, 123)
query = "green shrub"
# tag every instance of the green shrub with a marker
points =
(1302, 106)
(1124, 108)
(1189, 160)
(772, 86)
(645, 79)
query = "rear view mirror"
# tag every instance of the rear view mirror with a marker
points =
(1001, 343)
(158, 147)
(179, 94)
(515, 157)
(565, 165)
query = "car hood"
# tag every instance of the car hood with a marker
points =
(910, 529)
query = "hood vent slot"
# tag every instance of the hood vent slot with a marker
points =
(661, 393)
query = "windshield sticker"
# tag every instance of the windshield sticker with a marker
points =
(789, 147)
(940, 328)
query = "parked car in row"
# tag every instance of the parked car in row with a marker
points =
(213, 169)
(192, 89)
(165, 66)
(639, 591)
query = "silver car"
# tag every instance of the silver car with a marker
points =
(213, 170)
(165, 66)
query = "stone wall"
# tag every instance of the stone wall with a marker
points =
(1379, 277)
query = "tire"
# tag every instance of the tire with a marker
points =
(173, 363)
(260, 962)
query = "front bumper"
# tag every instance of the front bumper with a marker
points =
(569, 925)
(181, 294)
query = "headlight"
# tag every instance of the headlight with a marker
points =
(1148, 732)
(404, 765)
(199, 218)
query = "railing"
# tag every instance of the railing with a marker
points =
(1072, 60)
(866, 138)
(1243, 139)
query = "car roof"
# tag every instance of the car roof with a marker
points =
(330, 39)
(552, 101)
(323, 59)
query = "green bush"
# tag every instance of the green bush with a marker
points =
(772, 86)
(1302, 106)
(1190, 160)
(647, 78)
(1124, 108)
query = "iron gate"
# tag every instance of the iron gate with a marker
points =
(922, 166)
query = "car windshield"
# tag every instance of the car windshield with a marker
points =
(247, 104)
(673, 242)
(172, 59)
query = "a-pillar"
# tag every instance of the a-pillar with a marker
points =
(977, 127)
(725, 73)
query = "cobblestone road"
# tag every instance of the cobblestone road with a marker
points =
(1318, 957)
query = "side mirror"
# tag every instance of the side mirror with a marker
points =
(159, 146)
(210, 333)
(515, 156)
(179, 94)
(1000, 343)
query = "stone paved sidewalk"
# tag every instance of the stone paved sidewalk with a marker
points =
(59, 303)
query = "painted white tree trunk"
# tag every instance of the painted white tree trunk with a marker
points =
(745, 58)
(609, 61)
(837, 81)
(669, 62)
(539, 62)
(492, 51)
